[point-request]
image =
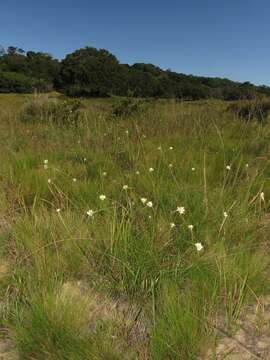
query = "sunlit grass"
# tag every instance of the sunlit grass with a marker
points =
(166, 211)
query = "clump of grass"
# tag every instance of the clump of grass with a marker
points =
(128, 106)
(44, 108)
(56, 326)
(257, 109)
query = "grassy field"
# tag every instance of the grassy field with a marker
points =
(127, 238)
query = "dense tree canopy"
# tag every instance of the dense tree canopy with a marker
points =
(93, 72)
(25, 72)
(89, 72)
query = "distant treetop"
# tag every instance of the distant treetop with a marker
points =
(96, 72)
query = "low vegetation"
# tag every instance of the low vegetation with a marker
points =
(256, 109)
(129, 239)
(48, 109)
(128, 106)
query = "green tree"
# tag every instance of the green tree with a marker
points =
(42, 67)
(89, 72)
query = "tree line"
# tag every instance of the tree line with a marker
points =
(91, 72)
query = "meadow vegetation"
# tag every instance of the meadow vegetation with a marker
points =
(128, 235)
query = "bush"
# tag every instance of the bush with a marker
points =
(127, 107)
(251, 109)
(15, 82)
(12, 82)
(43, 108)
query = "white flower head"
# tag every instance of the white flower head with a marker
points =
(151, 169)
(247, 165)
(74, 179)
(90, 213)
(190, 227)
(144, 200)
(171, 147)
(46, 161)
(225, 214)
(137, 172)
(181, 210)
(262, 196)
(159, 148)
(149, 204)
(45, 166)
(228, 167)
(58, 210)
(125, 187)
(170, 165)
(104, 173)
(49, 181)
(193, 169)
(84, 159)
(144, 136)
(199, 246)
(172, 225)
(102, 197)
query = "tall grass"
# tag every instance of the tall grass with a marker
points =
(143, 259)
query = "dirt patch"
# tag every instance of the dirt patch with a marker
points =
(131, 321)
(7, 351)
(4, 268)
(251, 336)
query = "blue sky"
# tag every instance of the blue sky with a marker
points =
(225, 38)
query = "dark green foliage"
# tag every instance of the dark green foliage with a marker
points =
(95, 72)
(92, 72)
(88, 72)
(15, 82)
(20, 72)
(42, 66)
(251, 109)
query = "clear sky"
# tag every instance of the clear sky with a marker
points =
(225, 38)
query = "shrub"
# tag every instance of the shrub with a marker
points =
(20, 83)
(15, 82)
(251, 109)
(127, 106)
(43, 108)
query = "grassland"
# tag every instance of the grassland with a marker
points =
(119, 277)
